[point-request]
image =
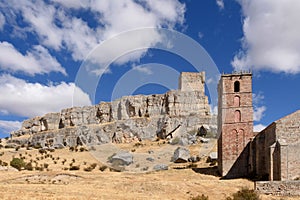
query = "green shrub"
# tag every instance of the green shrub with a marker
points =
(198, 197)
(17, 163)
(244, 194)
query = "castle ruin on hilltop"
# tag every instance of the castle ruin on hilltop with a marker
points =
(123, 120)
(272, 154)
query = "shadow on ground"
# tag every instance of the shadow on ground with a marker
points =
(213, 171)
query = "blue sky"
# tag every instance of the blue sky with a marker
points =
(44, 44)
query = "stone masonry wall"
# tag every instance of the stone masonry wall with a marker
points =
(283, 188)
(235, 123)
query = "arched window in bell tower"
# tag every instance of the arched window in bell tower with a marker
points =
(236, 101)
(237, 116)
(236, 86)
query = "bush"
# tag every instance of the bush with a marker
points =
(46, 165)
(94, 165)
(74, 168)
(88, 169)
(198, 197)
(42, 151)
(29, 166)
(82, 149)
(39, 168)
(244, 194)
(17, 163)
(102, 168)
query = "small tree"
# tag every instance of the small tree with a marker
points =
(17, 163)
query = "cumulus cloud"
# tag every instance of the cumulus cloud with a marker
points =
(34, 99)
(259, 109)
(57, 27)
(258, 127)
(259, 113)
(271, 36)
(8, 126)
(36, 61)
(143, 69)
(220, 3)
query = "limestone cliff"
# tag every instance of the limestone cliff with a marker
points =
(123, 120)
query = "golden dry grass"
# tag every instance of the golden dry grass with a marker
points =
(55, 182)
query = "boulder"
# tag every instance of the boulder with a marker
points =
(160, 167)
(181, 155)
(150, 159)
(121, 158)
(204, 140)
(213, 156)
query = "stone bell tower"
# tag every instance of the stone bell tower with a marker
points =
(235, 123)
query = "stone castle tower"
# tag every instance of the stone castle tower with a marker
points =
(192, 81)
(235, 123)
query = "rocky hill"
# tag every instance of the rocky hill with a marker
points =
(129, 118)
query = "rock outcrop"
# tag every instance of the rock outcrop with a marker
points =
(130, 118)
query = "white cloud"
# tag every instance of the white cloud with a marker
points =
(34, 99)
(8, 126)
(258, 98)
(220, 3)
(143, 69)
(258, 127)
(259, 113)
(36, 61)
(259, 108)
(2, 21)
(72, 3)
(271, 36)
(57, 27)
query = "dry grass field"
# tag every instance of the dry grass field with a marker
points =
(92, 177)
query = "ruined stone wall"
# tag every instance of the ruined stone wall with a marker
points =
(192, 81)
(283, 188)
(262, 143)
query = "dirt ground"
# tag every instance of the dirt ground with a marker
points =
(57, 181)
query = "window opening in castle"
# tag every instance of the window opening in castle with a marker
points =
(237, 116)
(236, 86)
(236, 101)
